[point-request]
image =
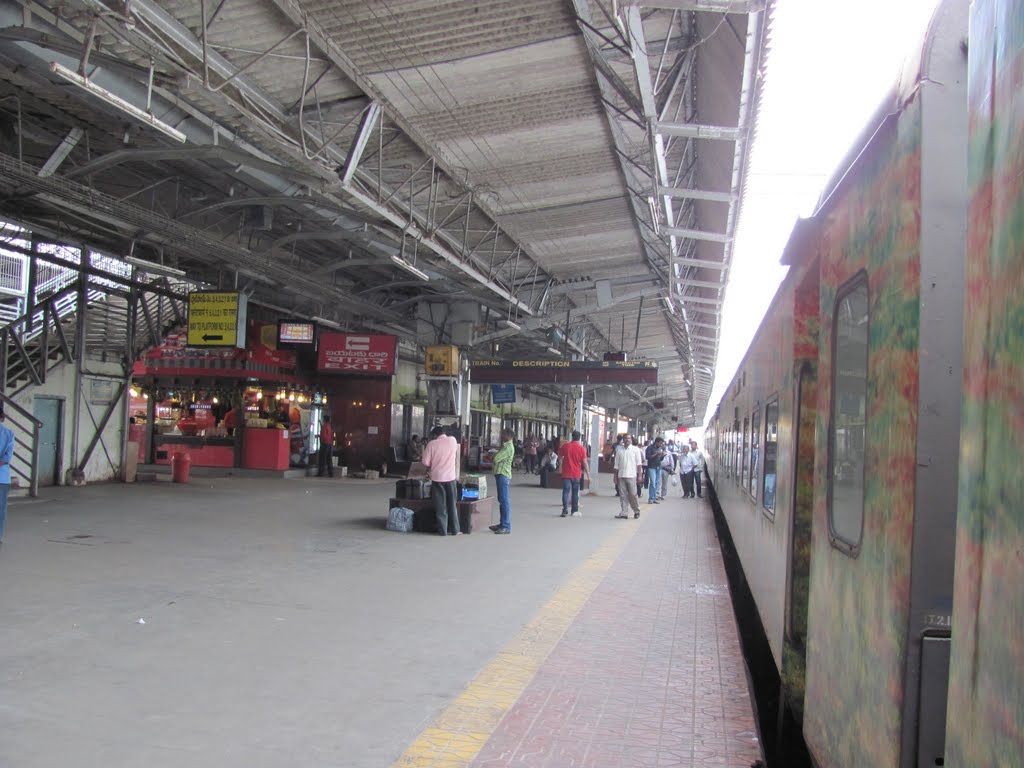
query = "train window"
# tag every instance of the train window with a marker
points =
(745, 454)
(848, 415)
(771, 445)
(755, 443)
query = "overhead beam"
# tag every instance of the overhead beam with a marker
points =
(698, 131)
(699, 300)
(697, 194)
(60, 154)
(702, 263)
(696, 234)
(716, 6)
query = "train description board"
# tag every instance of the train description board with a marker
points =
(563, 372)
(216, 319)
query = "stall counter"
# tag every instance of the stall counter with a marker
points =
(204, 451)
(265, 448)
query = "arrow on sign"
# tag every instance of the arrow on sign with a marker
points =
(208, 337)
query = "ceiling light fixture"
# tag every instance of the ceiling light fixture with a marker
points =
(403, 264)
(327, 322)
(668, 304)
(554, 351)
(113, 99)
(510, 324)
(154, 268)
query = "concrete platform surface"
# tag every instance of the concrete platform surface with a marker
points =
(283, 626)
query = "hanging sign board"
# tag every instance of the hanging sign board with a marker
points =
(503, 394)
(359, 354)
(216, 319)
(563, 372)
(296, 332)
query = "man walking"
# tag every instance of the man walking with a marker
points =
(698, 465)
(326, 448)
(572, 457)
(629, 473)
(6, 454)
(655, 455)
(441, 457)
(503, 478)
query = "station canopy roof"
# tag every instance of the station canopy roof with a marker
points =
(566, 174)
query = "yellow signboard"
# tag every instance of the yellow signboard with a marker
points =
(216, 319)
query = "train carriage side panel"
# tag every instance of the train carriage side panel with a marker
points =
(859, 598)
(985, 722)
(759, 402)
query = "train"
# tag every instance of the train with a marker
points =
(866, 457)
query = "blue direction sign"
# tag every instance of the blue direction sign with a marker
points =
(502, 394)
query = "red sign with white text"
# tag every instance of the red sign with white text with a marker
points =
(359, 354)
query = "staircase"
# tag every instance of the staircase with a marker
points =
(95, 313)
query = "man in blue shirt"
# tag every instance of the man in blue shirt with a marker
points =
(6, 454)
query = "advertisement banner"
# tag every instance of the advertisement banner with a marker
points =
(359, 354)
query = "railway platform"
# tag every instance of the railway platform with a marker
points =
(257, 622)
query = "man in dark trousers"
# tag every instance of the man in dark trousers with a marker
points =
(572, 457)
(441, 457)
(326, 448)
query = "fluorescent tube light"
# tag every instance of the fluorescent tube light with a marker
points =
(554, 351)
(510, 324)
(111, 98)
(403, 264)
(328, 323)
(668, 304)
(153, 267)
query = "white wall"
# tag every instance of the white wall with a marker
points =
(60, 383)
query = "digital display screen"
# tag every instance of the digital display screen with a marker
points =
(295, 332)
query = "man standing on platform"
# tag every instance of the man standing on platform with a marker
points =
(629, 464)
(326, 452)
(655, 455)
(618, 449)
(441, 457)
(503, 478)
(6, 454)
(530, 447)
(698, 466)
(572, 457)
(686, 465)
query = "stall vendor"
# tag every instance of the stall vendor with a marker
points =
(230, 421)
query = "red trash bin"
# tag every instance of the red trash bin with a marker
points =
(181, 463)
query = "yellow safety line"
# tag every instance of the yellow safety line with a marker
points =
(460, 732)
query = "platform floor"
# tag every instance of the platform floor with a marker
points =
(283, 626)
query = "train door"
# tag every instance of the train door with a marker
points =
(794, 652)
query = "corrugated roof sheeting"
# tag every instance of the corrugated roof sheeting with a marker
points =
(384, 35)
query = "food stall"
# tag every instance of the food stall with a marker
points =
(225, 407)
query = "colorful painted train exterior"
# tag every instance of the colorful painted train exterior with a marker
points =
(866, 457)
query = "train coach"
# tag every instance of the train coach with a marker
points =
(865, 456)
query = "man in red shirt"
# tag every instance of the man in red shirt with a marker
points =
(572, 457)
(326, 448)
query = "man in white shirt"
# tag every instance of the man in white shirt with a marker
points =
(629, 464)
(686, 464)
(698, 470)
